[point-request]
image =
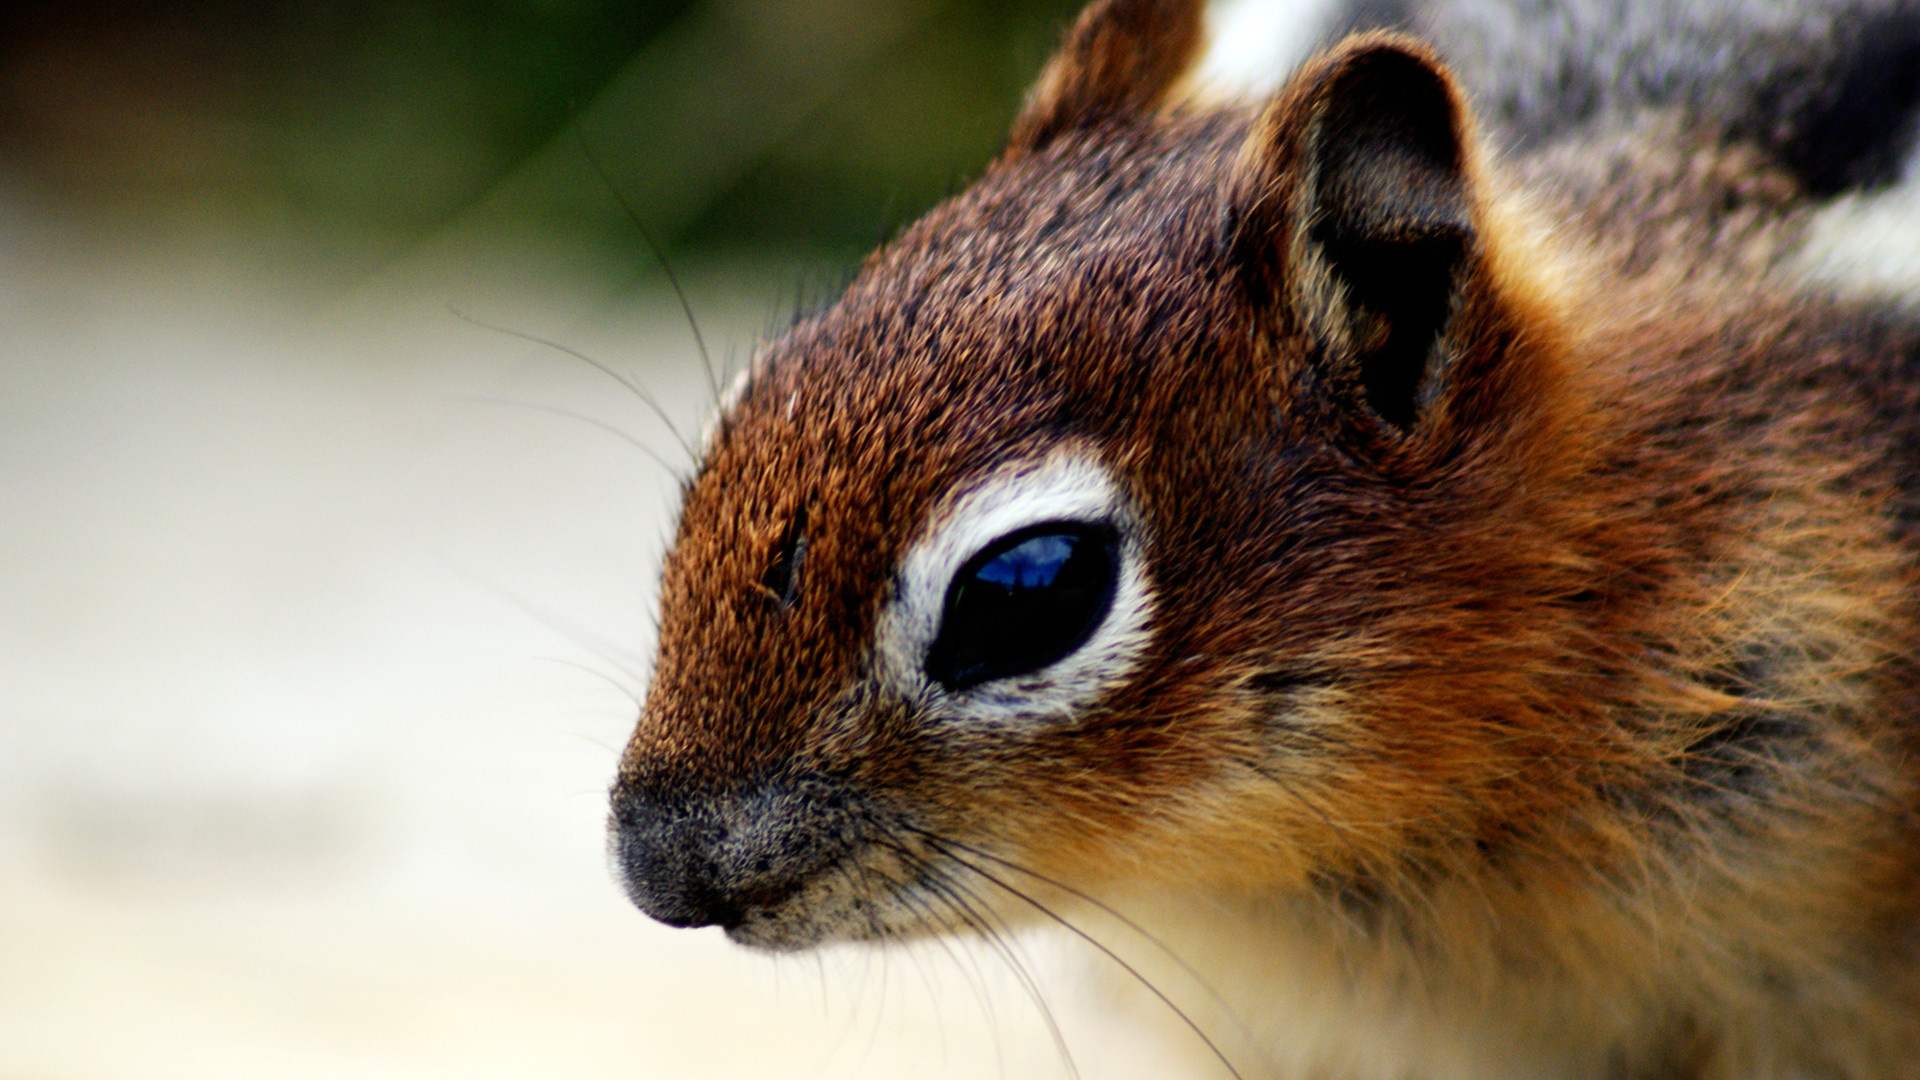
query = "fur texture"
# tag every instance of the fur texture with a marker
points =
(1827, 88)
(1524, 684)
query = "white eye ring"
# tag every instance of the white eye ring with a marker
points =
(1068, 485)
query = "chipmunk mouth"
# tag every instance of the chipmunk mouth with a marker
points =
(779, 866)
(884, 891)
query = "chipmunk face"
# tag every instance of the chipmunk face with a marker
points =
(1107, 527)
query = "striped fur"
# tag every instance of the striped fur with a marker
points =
(1524, 678)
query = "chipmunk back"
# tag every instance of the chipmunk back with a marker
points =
(1451, 582)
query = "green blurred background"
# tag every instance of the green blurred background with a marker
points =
(340, 137)
(324, 613)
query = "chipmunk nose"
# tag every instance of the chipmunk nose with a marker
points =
(664, 855)
(713, 860)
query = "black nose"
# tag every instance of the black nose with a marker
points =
(666, 853)
(714, 859)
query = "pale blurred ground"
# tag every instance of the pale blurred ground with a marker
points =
(315, 657)
(308, 698)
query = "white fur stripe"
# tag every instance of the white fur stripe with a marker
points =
(1067, 485)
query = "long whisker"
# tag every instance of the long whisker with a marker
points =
(1131, 971)
(857, 992)
(860, 878)
(1095, 902)
(998, 939)
(625, 691)
(970, 969)
(955, 897)
(925, 913)
(646, 397)
(593, 643)
(583, 418)
(1273, 776)
(659, 256)
(880, 1004)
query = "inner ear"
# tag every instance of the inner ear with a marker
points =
(1368, 151)
(1392, 221)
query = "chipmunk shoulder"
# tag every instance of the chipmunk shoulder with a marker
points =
(1412, 542)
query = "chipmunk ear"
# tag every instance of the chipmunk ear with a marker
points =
(1355, 208)
(1121, 58)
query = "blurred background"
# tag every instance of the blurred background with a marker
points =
(325, 588)
(345, 135)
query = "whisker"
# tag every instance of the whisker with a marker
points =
(660, 256)
(625, 691)
(570, 414)
(1132, 971)
(572, 632)
(1093, 901)
(880, 1005)
(612, 751)
(996, 938)
(926, 981)
(974, 978)
(1265, 772)
(962, 903)
(632, 385)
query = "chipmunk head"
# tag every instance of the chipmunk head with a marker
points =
(1101, 527)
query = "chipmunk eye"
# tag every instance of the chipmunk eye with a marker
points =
(1024, 601)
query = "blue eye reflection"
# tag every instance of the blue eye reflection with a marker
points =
(1033, 565)
(1025, 601)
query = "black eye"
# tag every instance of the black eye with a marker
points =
(1025, 601)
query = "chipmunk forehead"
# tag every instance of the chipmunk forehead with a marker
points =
(1037, 298)
(1146, 186)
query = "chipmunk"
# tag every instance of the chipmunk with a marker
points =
(1413, 543)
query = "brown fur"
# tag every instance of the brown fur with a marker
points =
(1547, 712)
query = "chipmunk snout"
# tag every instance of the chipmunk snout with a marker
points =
(725, 859)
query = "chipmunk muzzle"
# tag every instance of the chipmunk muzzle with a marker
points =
(726, 859)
